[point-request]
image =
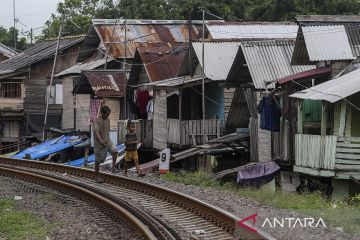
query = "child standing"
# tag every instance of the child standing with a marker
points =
(131, 148)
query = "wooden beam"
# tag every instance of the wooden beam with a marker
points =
(300, 120)
(180, 114)
(342, 118)
(324, 108)
(314, 172)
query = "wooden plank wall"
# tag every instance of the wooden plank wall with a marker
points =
(308, 151)
(68, 103)
(159, 124)
(173, 129)
(143, 130)
(250, 97)
(348, 154)
(82, 112)
(228, 97)
(114, 104)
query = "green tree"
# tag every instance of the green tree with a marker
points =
(7, 38)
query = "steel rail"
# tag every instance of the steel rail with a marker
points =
(221, 218)
(117, 210)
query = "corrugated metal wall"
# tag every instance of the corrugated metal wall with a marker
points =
(68, 103)
(160, 115)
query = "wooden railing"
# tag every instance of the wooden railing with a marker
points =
(315, 151)
(348, 154)
(190, 132)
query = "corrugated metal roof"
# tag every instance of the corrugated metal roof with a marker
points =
(333, 90)
(40, 51)
(219, 57)
(162, 62)
(106, 83)
(269, 60)
(330, 38)
(141, 35)
(307, 74)
(174, 82)
(255, 30)
(7, 51)
(328, 18)
(78, 68)
(327, 43)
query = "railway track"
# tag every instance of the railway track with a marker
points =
(155, 212)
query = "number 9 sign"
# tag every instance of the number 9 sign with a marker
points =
(164, 161)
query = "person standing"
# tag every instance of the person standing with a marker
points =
(131, 149)
(102, 141)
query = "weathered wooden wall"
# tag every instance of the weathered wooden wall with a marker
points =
(315, 151)
(68, 103)
(228, 98)
(159, 123)
(114, 104)
(82, 112)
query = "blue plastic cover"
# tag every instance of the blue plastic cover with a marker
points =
(49, 147)
(91, 158)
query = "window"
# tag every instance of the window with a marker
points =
(56, 94)
(11, 129)
(10, 90)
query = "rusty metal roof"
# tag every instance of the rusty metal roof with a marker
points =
(162, 62)
(106, 83)
(139, 33)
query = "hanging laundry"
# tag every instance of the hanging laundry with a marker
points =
(142, 98)
(95, 105)
(270, 114)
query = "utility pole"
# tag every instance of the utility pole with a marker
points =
(125, 69)
(14, 33)
(51, 79)
(203, 77)
(190, 42)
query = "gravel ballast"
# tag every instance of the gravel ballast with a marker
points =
(68, 217)
(244, 207)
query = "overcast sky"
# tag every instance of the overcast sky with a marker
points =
(32, 13)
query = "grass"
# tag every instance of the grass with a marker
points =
(15, 224)
(339, 214)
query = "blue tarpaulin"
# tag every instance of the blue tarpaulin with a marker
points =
(91, 158)
(49, 147)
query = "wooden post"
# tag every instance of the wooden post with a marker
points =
(300, 117)
(342, 119)
(323, 132)
(323, 118)
(87, 150)
(180, 115)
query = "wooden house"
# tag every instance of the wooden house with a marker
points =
(104, 48)
(177, 111)
(92, 90)
(257, 64)
(25, 80)
(330, 43)
(331, 149)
